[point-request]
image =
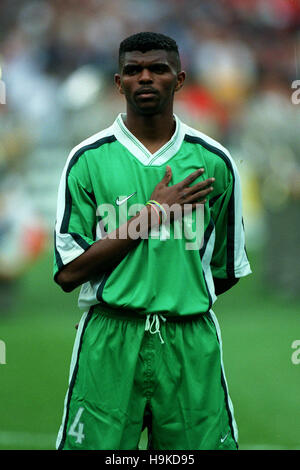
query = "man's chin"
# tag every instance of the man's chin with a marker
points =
(148, 109)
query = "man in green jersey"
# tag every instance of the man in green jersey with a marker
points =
(149, 224)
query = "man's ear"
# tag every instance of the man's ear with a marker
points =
(180, 80)
(118, 83)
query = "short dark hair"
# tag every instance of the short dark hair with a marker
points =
(147, 41)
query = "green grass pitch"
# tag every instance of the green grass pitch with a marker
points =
(258, 328)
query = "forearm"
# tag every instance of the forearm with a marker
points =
(108, 252)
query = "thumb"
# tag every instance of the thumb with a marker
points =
(168, 175)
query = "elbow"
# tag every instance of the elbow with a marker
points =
(64, 282)
(67, 287)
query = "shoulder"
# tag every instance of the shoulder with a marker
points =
(78, 158)
(93, 142)
(212, 146)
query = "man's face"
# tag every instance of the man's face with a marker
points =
(149, 80)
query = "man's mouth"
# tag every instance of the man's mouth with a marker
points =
(146, 93)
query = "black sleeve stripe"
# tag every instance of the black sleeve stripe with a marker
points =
(231, 215)
(80, 241)
(68, 198)
(207, 235)
(214, 199)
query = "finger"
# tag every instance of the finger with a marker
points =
(190, 178)
(199, 186)
(168, 175)
(199, 196)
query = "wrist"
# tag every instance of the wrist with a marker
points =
(158, 209)
(154, 217)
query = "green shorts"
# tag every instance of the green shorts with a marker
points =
(128, 373)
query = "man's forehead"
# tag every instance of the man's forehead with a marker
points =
(138, 57)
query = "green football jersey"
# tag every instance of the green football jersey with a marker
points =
(108, 178)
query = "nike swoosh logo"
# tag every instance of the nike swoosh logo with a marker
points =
(118, 202)
(224, 438)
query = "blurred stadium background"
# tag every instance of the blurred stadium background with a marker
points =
(57, 59)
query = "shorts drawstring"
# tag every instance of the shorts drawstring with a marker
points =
(155, 321)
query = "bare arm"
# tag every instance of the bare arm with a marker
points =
(103, 255)
(108, 252)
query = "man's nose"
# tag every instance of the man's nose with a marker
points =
(145, 76)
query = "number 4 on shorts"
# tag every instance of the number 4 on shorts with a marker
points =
(76, 428)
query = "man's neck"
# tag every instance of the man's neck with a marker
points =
(152, 131)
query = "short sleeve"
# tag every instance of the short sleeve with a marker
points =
(75, 221)
(229, 258)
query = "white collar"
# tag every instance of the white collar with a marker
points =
(138, 150)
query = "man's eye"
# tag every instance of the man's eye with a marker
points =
(130, 70)
(159, 68)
